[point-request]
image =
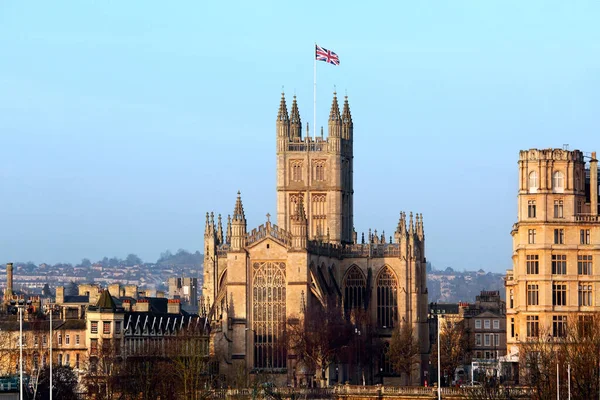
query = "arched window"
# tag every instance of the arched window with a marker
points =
(268, 315)
(319, 215)
(385, 366)
(558, 181)
(387, 298)
(354, 289)
(296, 170)
(533, 180)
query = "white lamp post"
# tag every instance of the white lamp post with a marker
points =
(439, 359)
(20, 306)
(51, 305)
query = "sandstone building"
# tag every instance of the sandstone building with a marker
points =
(556, 246)
(256, 281)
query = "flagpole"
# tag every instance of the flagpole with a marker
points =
(315, 94)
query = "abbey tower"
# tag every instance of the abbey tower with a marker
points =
(259, 282)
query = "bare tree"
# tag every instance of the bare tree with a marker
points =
(577, 347)
(404, 351)
(318, 336)
(454, 346)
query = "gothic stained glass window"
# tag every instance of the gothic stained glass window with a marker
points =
(268, 315)
(354, 289)
(387, 303)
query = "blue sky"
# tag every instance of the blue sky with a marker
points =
(122, 123)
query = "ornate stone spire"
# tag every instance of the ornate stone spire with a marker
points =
(299, 226)
(228, 231)
(238, 226)
(220, 230)
(295, 122)
(347, 125)
(411, 228)
(420, 229)
(334, 114)
(238, 210)
(282, 124)
(346, 115)
(300, 214)
(282, 114)
(335, 119)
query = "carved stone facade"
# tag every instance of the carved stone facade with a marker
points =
(556, 246)
(255, 282)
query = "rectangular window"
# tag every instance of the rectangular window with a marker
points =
(486, 324)
(77, 360)
(559, 264)
(512, 327)
(35, 341)
(496, 324)
(117, 326)
(558, 209)
(94, 326)
(44, 340)
(486, 339)
(531, 236)
(77, 340)
(496, 339)
(559, 294)
(60, 359)
(59, 339)
(532, 295)
(584, 264)
(585, 294)
(531, 209)
(67, 359)
(559, 236)
(93, 346)
(533, 326)
(533, 264)
(478, 339)
(584, 236)
(559, 325)
(477, 324)
(67, 339)
(585, 325)
(106, 327)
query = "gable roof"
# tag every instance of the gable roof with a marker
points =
(106, 301)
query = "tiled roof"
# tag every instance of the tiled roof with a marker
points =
(106, 301)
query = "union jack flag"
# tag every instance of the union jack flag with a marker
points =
(326, 55)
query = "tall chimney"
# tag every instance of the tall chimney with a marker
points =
(9, 280)
(594, 184)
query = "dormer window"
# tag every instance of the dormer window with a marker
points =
(533, 182)
(558, 182)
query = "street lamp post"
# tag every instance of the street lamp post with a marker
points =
(357, 332)
(439, 360)
(569, 377)
(20, 306)
(51, 306)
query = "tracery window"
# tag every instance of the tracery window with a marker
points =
(385, 365)
(319, 215)
(319, 171)
(296, 169)
(268, 314)
(387, 304)
(354, 289)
